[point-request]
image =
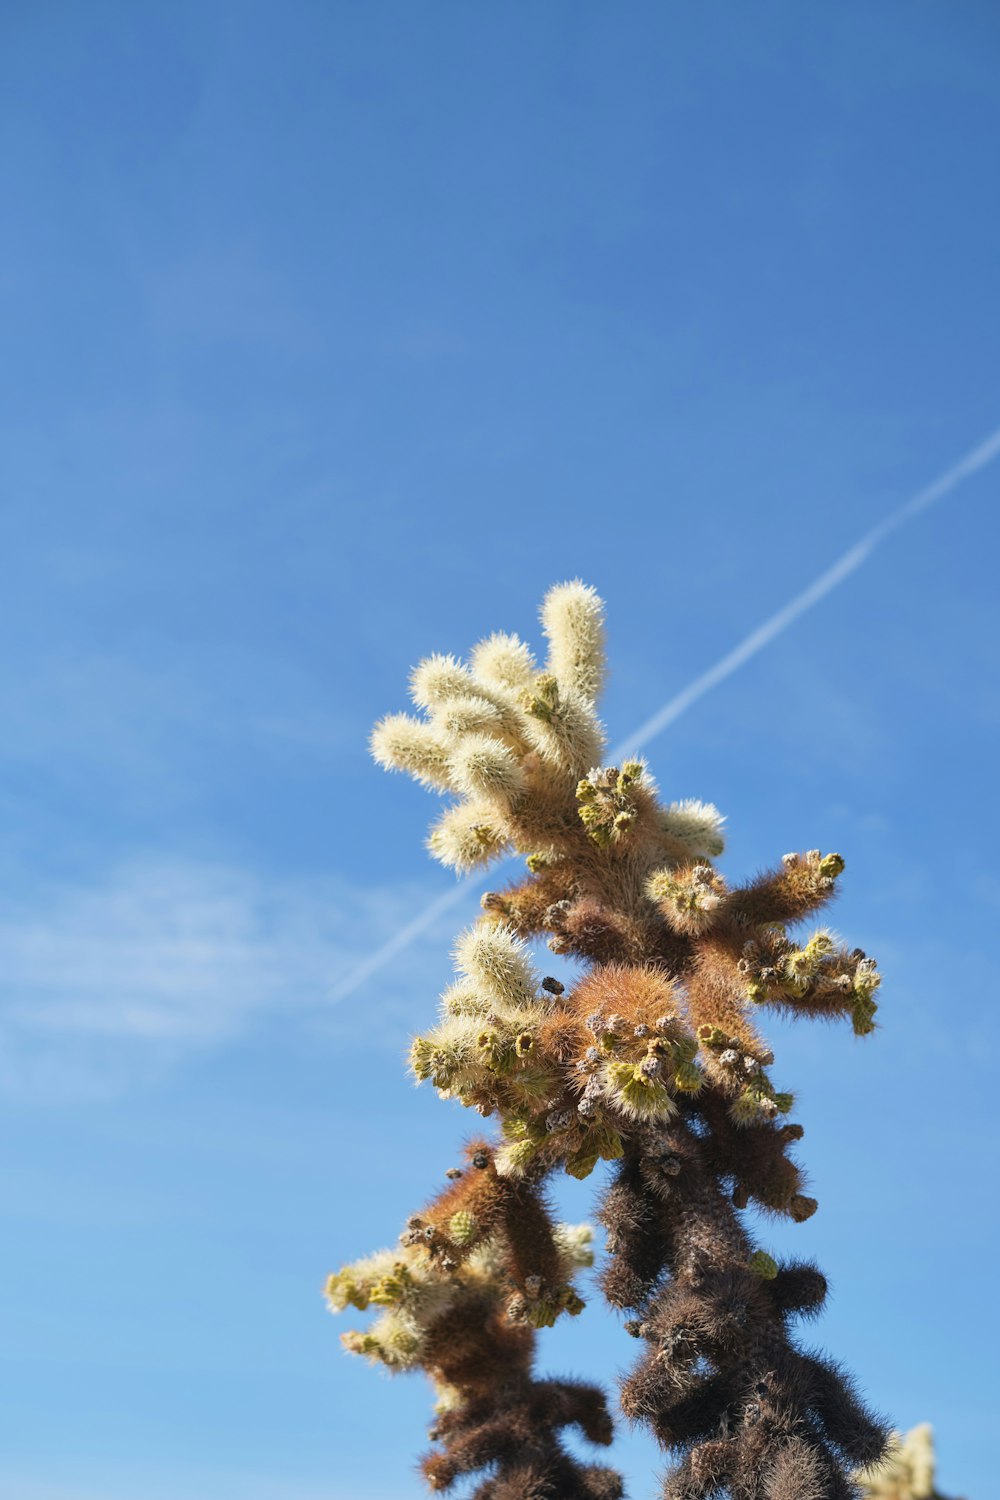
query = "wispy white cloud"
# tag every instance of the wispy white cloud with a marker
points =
(104, 979)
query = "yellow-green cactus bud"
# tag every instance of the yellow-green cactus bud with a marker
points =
(755, 1101)
(421, 1058)
(688, 1077)
(764, 1265)
(801, 966)
(631, 772)
(392, 1342)
(820, 944)
(866, 980)
(524, 1127)
(865, 984)
(862, 1015)
(360, 1343)
(605, 805)
(712, 1036)
(541, 701)
(661, 886)
(493, 1050)
(603, 1141)
(685, 1049)
(541, 1310)
(341, 1291)
(462, 1226)
(689, 898)
(540, 1313)
(638, 1094)
(514, 1157)
(831, 865)
(392, 1288)
(399, 1344)
(571, 1302)
(582, 1163)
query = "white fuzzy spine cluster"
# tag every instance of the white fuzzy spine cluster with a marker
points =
(496, 962)
(505, 739)
(573, 621)
(697, 825)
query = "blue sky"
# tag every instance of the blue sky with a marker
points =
(334, 334)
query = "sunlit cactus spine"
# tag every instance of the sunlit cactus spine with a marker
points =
(651, 1061)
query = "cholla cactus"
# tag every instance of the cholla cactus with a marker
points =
(653, 1062)
(906, 1472)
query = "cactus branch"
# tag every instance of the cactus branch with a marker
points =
(654, 1062)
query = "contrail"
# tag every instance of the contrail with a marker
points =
(851, 560)
(404, 937)
(825, 584)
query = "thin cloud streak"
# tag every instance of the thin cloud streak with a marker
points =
(972, 463)
(405, 936)
(825, 584)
